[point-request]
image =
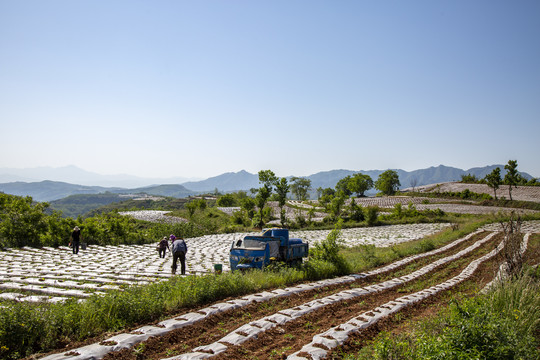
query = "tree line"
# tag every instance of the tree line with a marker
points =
(273, 188)
(24, 222)
(494, 180)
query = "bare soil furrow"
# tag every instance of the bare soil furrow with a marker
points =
(343, 309)
(322, 343)
(214, 327)
(287, 338)
(403, 322)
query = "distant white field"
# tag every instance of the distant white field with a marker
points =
(153, 216)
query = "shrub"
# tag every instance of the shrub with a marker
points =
(356, 212)
(368, 255)
(328, 250)
(300, 220)
(316, 269)
(398, 210)
(227, 200)
(470, 179)
(371, 215)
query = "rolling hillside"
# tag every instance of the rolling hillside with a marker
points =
(234, 181)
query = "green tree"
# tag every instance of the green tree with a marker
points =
(22, 222)
(336, 205)
(512, 176)
(282, 189)
(360, 183)
(493, 180)
(343, 186)
(248, 204)
(356, 211)
(388, 182)
(326, 197)
(201, 204)
(533, 182)
(325, 200)
(227, 200)
(329, 250)
(319, 192)
(371, 215)
(469, 179)
(311, 214)
(191, 207)
(300, 187)
(268, 179)
(328, 191)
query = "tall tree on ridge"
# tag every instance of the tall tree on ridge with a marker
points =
(494, 180)
(512, 176)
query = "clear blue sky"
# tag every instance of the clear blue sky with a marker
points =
(197, 88)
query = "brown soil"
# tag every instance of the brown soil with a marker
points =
(284, 340)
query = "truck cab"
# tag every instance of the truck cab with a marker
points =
(256, 252)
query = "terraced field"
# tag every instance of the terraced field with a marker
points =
(52, 275)
(319, 319)
(386, 204)
(525, 193)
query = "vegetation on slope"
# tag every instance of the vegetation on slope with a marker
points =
(502, 324)
(27, 328)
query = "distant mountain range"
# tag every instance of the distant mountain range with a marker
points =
(53, 190)
(244, 180)
(49, 190)
(74, 175)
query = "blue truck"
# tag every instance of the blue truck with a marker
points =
(256, 252)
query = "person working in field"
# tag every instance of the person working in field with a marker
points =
(75, 239)
(163, 246)
(179, 250)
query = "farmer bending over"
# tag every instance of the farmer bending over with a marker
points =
(179, 250)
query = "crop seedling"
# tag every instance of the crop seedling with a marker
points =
(139, 350)
(170, 352)
(221, 328)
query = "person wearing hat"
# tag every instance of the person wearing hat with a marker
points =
(179, 250)
(163, 246)
(75, 239)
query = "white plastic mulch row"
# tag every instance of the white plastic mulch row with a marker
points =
(52, 275)
(526, 227)
(153, 216)
(128, 340)
(57, 274)
(323, 343)
(502, 273)
(255, 328)
(380, 236)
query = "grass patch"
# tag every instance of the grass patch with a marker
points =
(30, 328)
(364, 257)
(503, 324)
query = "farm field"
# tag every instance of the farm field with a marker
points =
(319, 319)
(524, 193)
(296, 208)
(50, 274)
(445, 205)
(420, 203)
